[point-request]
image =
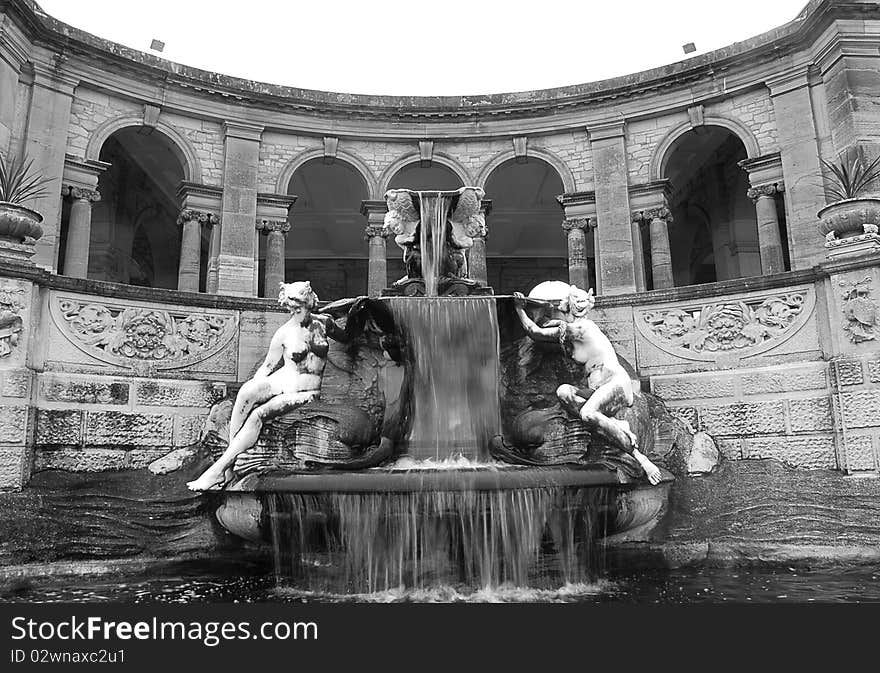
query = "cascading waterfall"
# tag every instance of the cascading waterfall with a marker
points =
(537, 533)
(364, 543)
(452, 347)
(434, 208)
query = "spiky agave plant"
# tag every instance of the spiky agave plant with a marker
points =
(850, 176)
(18, 183)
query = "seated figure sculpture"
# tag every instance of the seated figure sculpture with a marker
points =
(301, 346)
(611, 386)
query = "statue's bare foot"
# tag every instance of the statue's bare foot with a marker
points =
(651, 470)
(211, 479)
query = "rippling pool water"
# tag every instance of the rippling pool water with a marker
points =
(198, 583)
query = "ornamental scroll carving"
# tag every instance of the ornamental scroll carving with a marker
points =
(142, 336)
(860, 310)
(11, 325)
(743, 326)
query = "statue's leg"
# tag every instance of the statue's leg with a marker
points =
(251, 394)
(597, 413)
(220, 472)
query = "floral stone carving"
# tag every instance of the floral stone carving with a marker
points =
(143, 335)
(11, 324)
(743, 325)
(860, 310)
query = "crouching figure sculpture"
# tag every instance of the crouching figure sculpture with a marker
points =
(612, 389)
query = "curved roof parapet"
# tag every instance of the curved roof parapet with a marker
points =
(769, 45)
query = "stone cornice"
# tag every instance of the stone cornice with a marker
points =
(198, 189)
(242, 131)
(607, 130)
(576, 199)
(276, 200)
(370, 207)
(765, 48)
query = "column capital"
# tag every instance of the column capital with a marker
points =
(266, 226)
(613, 128)
(82, 172)
(374, 207)
(581, 223)
(200, 216)
(763, 170)
(245, 131)
(80, 192)
(647, 215)
(755, 193)
(373, 230)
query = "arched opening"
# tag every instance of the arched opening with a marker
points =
(526, 243)
(134, 233)
(326, 241)
(415, 176)
(714, 233)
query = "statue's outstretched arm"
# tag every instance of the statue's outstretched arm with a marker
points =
(548, 333)
(273, 356)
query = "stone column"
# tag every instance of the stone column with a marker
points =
(579, 210)
(191, 247)
(657, 221)
(235, 262)
(617, 262)
(376, 235)
(801, 168)
(204, 202)
(273, 221)
(45, 142)
(76, 254)
(769, 239)
(276, 244)
(477, 269)
(577, 250)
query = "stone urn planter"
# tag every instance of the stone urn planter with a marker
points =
(848, 217)
(18, 223)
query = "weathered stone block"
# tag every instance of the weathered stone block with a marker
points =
(874, 371)
(860, 453)
(56, 389)
(59, 426)
(692, 387)
(79, 460)
(810, 414)
(141, 458)
(805, 452)
(16, 384)
(731, 449)
(752, 418)
(171, 394)
(784, 379)
(861, 410)
(13, 425)
(849, 372)
(687, 414)
(12, 468)
(121, 429)
(188, 429)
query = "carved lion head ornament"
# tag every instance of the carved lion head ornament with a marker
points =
(297, 295)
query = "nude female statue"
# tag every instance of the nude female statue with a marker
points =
(301, 346)
(612, 387)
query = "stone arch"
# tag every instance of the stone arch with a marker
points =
(413, 158)
(562, 169)
(353, 160)
(189, 159)
(663, 150)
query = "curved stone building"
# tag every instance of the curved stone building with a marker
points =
(687, 195)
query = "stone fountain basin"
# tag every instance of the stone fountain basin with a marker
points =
(635, 508)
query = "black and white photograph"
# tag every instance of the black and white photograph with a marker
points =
(307, 307)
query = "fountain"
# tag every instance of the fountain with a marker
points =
(437, 447)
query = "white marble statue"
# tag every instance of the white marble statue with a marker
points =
(612, 388)
(300, 346)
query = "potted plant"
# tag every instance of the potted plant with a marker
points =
(18, 183)
(853, 209)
